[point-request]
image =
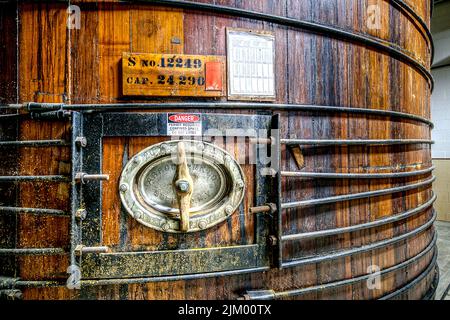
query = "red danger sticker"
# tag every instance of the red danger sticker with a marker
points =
(184, 117)
(184, 124)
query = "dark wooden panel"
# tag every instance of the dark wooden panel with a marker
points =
(8, 130)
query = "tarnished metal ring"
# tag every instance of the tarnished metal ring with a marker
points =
(147, 188)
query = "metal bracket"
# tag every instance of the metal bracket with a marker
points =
(10, 294)
(83, 177)
(81, 214)
(297, 154)
(80, 249)
(269, 208)
(81, 142)
(78, 213)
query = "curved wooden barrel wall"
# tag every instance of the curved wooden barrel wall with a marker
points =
(50, 63)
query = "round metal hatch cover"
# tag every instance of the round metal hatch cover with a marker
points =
(148, 193)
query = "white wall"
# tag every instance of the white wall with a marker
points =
(441, 47)
(440, 113)
(440, 99)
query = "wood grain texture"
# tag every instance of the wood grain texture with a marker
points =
(8, 131)
(83, 66)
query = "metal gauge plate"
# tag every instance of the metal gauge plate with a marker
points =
(148, 191)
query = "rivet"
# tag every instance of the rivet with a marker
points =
(175, 40)
(202, 224)
(240, 183)
(229, 209)
(123, 187)
(138, 215)
(165, 226)
(154, 152)
(137, 160)
(200, 146)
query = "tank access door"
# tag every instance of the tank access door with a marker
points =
(174, 207)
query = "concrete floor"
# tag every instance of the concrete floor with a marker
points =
(443, 242)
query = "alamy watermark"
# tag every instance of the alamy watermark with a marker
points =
(73, 282)
(73, 17)
(250, 146)
(374, 280)
(373, 17)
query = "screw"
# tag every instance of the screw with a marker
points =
(123, 187)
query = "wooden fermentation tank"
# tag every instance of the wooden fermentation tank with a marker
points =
(349, 121)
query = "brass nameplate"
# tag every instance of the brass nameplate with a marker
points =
(153, 74)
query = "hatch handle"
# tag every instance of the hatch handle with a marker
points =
(184, 187)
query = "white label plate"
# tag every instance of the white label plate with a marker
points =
(250, 61)
(184, 124)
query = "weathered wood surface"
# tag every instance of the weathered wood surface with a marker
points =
(83, 66)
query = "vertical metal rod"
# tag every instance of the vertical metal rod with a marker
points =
(276, 155)
(75, 195)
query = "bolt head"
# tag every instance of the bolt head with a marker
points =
(123, 187)
(81, 142)
(229, 210)
(183, 185)
(81, 214)
(272, 240)
(202, 224)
